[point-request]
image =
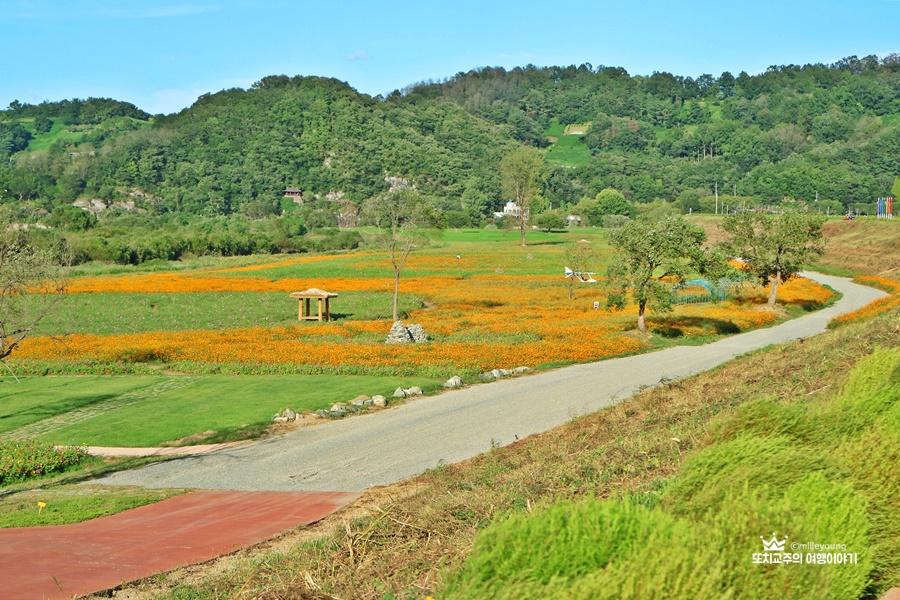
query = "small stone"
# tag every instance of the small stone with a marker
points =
(496, 374)
(414, 391)
(289, 414)
(298, 416)
(489, 375)
(337, 407)
(379, 401)
(520, 369)
(281, 419)
(323, 413)
(504, 373)
(370, 401)
(399, 393)
(359, 401)
(454, 382)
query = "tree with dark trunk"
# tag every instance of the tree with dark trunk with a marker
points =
(647, 253)
(773, 248)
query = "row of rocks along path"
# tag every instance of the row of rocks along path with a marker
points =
(339, 459)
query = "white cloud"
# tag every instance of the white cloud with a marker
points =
(358, 55)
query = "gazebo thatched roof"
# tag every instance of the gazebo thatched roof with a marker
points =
(314, 293)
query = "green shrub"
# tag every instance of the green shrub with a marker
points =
(527, 556)
(709, 476)
(872, 389)
(23, 459)
(617, 549)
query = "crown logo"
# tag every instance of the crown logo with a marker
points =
(773, 545)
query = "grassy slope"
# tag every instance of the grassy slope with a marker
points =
(400, 541)
(567, 150)
(863, 246)
(802, 466)
(869, 246)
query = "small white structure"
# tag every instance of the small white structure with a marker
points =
(582, 276)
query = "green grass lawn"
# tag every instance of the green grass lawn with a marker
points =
(567, 150)
(136, 313)
(73, 504)
(37, 398)
(100, 269)
(482, 252)
(162, 409)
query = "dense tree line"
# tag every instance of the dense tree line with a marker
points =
(826, 133)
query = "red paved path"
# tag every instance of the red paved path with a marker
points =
(64, 561)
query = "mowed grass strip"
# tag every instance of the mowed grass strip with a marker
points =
(33, 399)
(213, 403)
(73, 504)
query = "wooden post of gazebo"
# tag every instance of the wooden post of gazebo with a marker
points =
(319, 296)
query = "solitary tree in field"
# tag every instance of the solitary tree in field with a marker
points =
(31, 285)
(774, 248)
(522, 171)
(404, 220)
(648, 252)
(551, 219)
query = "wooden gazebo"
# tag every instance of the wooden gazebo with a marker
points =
(319, 296)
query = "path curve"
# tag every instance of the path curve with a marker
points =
(388, 446)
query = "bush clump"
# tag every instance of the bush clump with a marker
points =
(23, 459)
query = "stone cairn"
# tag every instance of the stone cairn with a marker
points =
(401, 334)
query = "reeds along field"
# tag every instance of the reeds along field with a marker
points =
(484, 301)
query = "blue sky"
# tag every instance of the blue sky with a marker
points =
(162, 54)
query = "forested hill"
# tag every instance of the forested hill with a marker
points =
(791, 132)
(238, 149)
(816, 132)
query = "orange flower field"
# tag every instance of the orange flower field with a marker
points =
(475, 323)
(872, 308)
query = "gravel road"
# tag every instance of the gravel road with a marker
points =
(387, 446)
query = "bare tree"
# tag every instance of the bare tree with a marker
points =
(404, 220)
(32, 283)
(523, 172)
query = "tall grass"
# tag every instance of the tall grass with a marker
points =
(820, 470)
